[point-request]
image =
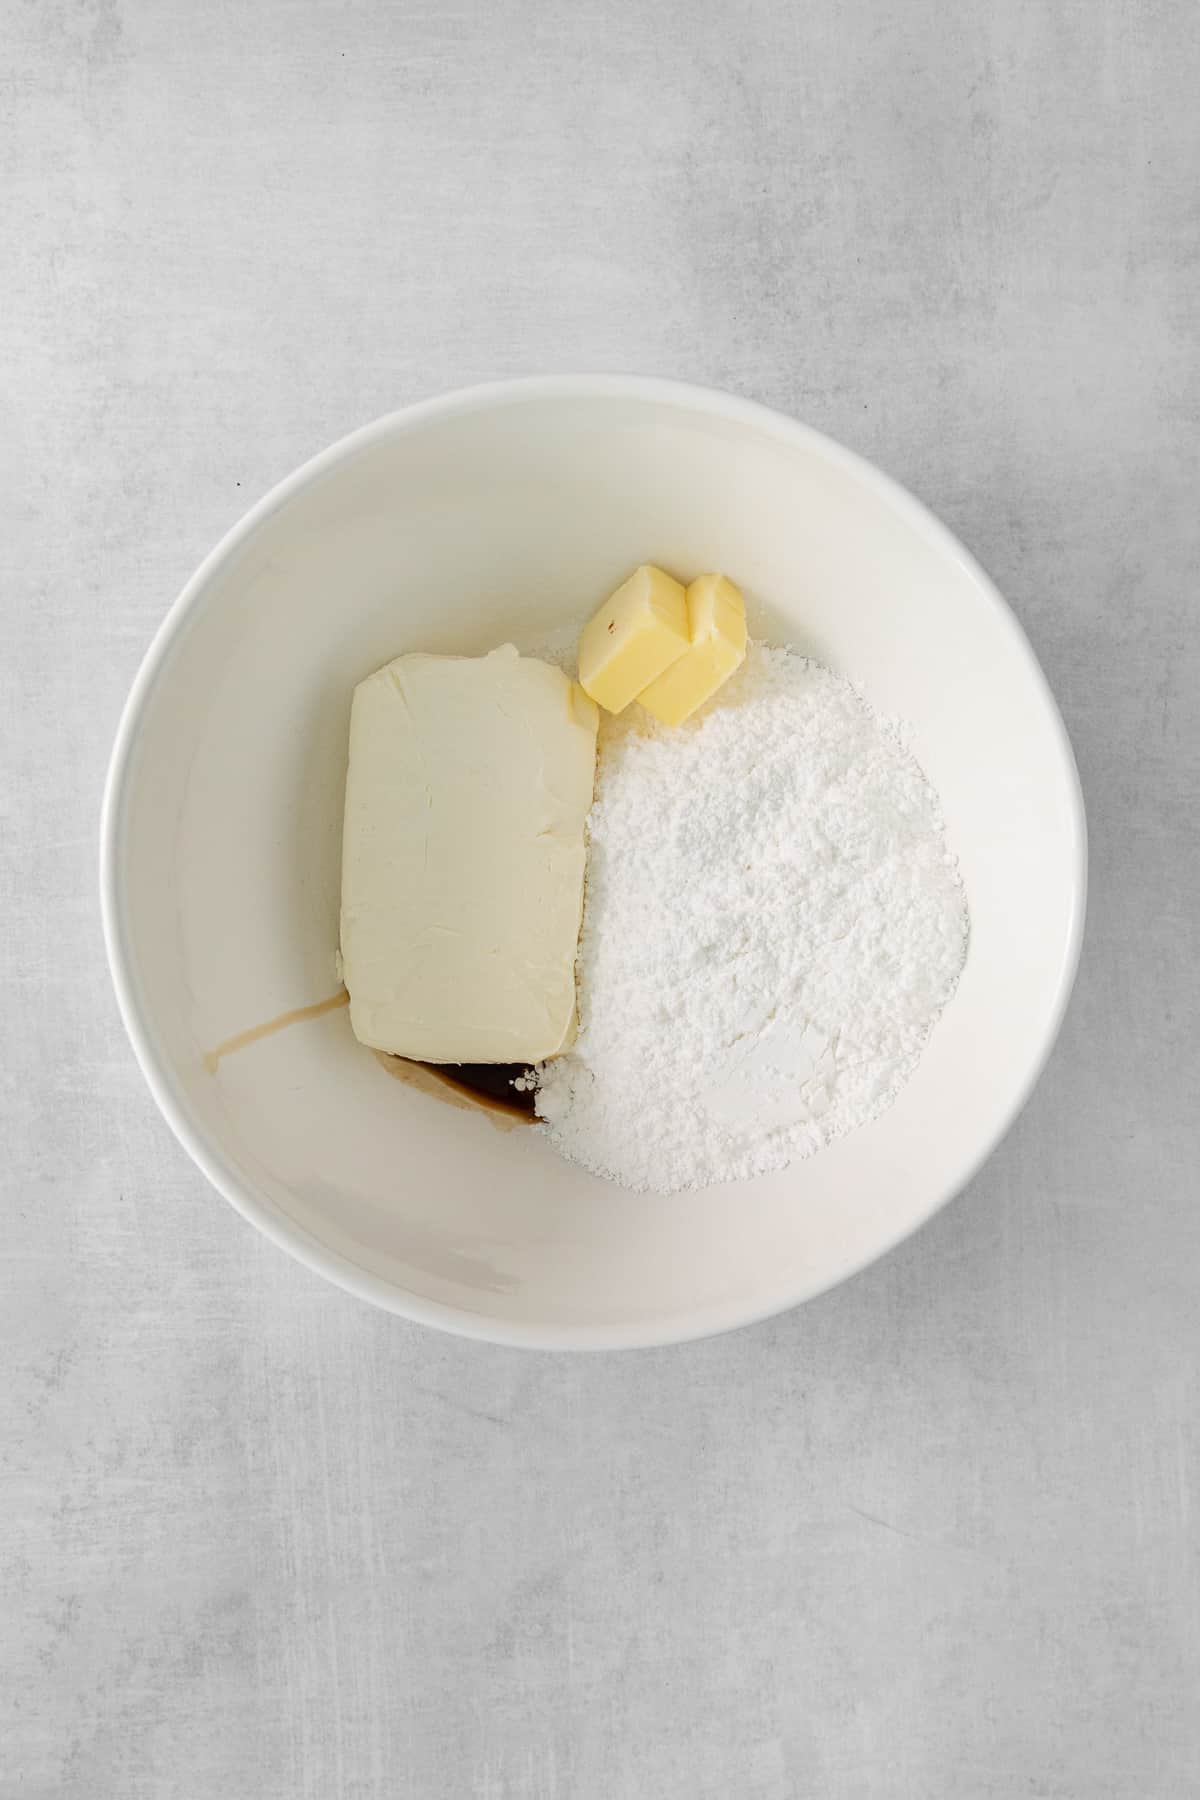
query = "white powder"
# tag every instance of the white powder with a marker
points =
(772, 925)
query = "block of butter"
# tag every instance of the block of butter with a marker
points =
(468, 785)
(717, 632)
(638, 632)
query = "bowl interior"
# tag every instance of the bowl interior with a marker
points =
(501, 517)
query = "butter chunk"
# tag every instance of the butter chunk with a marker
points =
(717, 632)
(468, 785)
(637, 633)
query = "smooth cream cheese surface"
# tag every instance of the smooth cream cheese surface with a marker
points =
(469, 782)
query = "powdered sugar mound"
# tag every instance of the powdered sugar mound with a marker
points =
(772, 925)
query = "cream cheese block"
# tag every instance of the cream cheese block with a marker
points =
(469, 782)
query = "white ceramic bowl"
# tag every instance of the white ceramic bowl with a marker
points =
(499, 513)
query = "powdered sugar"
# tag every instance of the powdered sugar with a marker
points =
(772, 925)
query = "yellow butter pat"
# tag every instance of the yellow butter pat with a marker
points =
(640, 631)
(717, 646)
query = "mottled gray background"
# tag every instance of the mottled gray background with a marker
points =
(933, 1535)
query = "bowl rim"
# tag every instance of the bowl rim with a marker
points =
(648, 1331)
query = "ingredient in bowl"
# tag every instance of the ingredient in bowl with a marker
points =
(638, 632)
(468, 785)
(269, 1028)
(717, 633)
(490, 1089)
(773, 925)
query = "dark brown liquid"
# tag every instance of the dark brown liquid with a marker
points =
(490, 1081)
(489, 1091)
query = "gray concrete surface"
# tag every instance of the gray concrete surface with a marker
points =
(934, 1535)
